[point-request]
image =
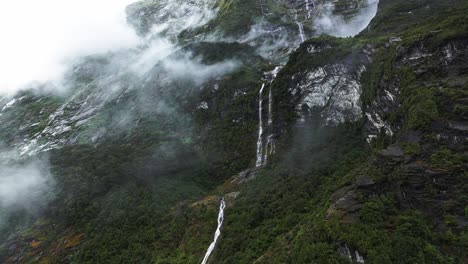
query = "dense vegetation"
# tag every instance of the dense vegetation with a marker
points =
(150, 194)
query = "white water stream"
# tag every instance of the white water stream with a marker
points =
(263, 153)
(307, 8)
(270, 145)
(222, 205)
(260, 129)
(300, 26)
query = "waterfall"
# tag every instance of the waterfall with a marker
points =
(348, 253)
(270, 145)
(222, 205)
(359, 258)
(300, 26)
(262, 153)
(259, 162)
(308, 8)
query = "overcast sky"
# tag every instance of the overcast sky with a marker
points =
(38, 36)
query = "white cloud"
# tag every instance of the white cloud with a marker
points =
(335, 25)
(25, 186)
(38, 37)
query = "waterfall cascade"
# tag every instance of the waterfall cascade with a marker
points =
(300, 26)
(308, 8)
(270, 145)
(260, 129)
(222, 205)
(263, 153)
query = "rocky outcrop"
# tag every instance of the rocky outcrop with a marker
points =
(444, 62)
(333, 91)
(328, 87)
(346, 203)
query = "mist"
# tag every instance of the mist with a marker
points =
(330, 24)
(24, 187)
(39, 38)
(43, 40)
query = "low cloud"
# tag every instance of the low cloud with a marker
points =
(193, 69)
(24, 187)
(40, 37)
(335, 25)
(44, 41)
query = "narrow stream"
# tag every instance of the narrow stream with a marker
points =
(222, 205)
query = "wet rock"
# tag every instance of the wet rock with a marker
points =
(393, 40)
(333, 89)
(245, 176)
(346, 203)
(340, 193)
(233, 195)
(347, 252)
(365, 182)
(393, 152)
(414, 166)
(346, 208)
(411, 137)
(344, 251)
(462, 126)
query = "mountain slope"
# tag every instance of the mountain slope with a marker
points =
(369, 132)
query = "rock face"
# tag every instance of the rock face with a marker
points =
(333, 91)
(346, 203)
(168, 16)
(444, 61)
(328, 87)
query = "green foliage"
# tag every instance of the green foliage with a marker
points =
(133, 195)
(450, 220)
(461, 110)
(376, 210)
(380, 69)
(232, 122)
(445, 159)
(411, 149)
(422, 108)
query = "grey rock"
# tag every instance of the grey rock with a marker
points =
(462, 126)
(365, 182)
(392, 152)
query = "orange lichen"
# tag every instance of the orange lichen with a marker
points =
(74, 240)
(35, 244)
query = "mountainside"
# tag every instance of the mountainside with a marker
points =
(331, 131)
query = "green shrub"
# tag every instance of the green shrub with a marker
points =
(422, 109)
(411, 149)
(445, 159)
(450, 220)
